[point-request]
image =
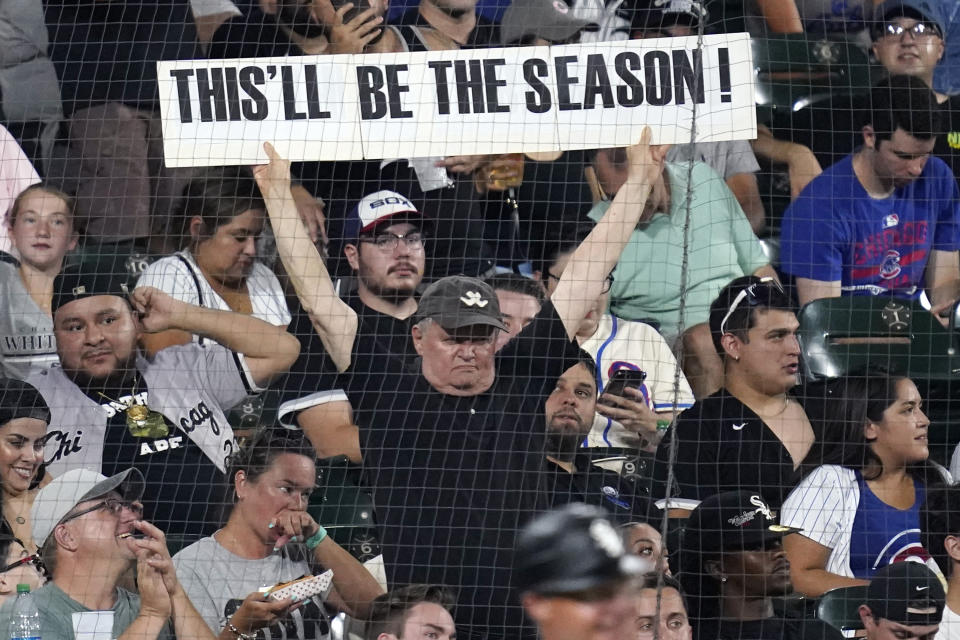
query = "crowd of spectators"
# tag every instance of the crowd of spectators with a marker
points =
(565, 390)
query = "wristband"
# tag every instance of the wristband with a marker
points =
(316, 538)
(241, 636)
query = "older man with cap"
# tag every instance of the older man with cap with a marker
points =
(574, 575)
(90, 531)
(112, 408)
(733, 569)
(904, 600)
(453, 438)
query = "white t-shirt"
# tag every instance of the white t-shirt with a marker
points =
(949, 625)
(622, 344)
(179, 276)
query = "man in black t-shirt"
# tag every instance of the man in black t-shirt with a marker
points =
(588, 474)
(750, 435)
(450, 441)
(736, 574)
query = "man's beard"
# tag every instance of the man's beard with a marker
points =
(298, 18)
(394, 295)
(116, 382)
(562, 445)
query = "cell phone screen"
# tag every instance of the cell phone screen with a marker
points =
(624, 378)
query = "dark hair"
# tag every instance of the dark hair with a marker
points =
(258, 456)
(702, 590)
(388, 612)
(45, 188)
(657, 580)
(905, 102)
(839, 411)
(939, 518)
(564, 239)
(517, 284)
(766, 297)
(216, 197)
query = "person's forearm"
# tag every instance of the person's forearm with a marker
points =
(252, 337)
(813, 583)
(188, 624)
(334, 321)
(597, 255)
(354, 583)
(146, 626)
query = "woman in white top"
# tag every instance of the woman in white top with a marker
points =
(40, 224)
(222, 216)
(859, 509)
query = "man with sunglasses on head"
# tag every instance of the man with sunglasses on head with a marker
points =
(90, 531)
(751, 435)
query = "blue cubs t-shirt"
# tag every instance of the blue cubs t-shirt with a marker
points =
(835, 231)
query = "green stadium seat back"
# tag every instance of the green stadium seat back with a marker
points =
(344, 507)
(842, 335)
(839, 608)
(793, 72)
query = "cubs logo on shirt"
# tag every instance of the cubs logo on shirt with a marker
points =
(890, 267)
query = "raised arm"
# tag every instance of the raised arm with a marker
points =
(267, 349)
(597, 255)
(333, 320)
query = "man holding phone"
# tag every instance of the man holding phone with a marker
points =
(585, 474)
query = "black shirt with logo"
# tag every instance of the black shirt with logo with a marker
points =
(184, 495)
(625, 494)
(454, 478)
(722, 445)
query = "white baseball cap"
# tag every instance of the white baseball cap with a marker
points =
(375, 209)
(54, 501)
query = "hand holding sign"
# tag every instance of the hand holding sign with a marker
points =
(646, 161)
(273, 178)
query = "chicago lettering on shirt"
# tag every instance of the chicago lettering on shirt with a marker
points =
(66, 444)
(876, 245)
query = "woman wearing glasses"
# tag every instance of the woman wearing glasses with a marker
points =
(269, 538)
(24, 417)
(19, 567)
(859, 503)
(222, 217)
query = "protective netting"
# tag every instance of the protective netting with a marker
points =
(467, 301)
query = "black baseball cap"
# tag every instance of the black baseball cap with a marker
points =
(920, 10)
(907, 593)
(21, 400)
(732, 521)
(458, 301)
(653, 15)
(572, 549)
(86, 280)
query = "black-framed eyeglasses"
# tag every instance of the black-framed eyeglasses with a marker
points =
(33, 559)
(390, 241)
(114, 505)
(750, 295)
(917, 31)
(607, 282)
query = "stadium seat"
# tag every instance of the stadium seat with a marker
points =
(838, 608)
(842, 335)
(793, 72)
(344, 508)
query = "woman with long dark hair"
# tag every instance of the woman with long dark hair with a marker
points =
(858, 504)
